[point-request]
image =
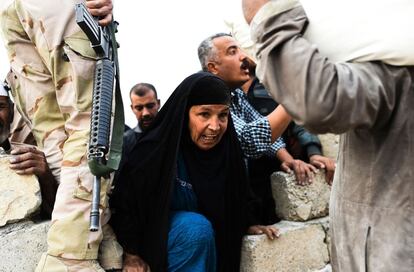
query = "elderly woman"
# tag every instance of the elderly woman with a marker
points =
(182, 201)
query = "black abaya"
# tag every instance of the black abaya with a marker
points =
(144, 187)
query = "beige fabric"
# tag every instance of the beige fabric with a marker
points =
(372, 202)
(55, 264)
(355, 30)
(240, 30)
(20, 131)
(110, 251)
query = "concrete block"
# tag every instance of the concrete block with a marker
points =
(19, 194)
(330, 145)
(300, 203)
(301, 247)
(21, 245)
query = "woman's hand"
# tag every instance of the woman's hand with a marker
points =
(134, 263)
(270, 231)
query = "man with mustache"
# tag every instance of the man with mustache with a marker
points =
(145, 105)
(220, 54)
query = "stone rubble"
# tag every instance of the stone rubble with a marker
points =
(300, 203)
(21, 245)
(20, 194)
(301, 247)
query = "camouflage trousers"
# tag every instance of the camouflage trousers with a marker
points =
(52, 66)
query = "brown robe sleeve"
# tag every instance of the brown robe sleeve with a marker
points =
(322, 95)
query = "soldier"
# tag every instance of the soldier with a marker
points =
(52, 67)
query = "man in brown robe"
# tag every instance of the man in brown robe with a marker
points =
(372, 105)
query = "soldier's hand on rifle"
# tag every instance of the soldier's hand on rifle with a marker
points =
(101, 9)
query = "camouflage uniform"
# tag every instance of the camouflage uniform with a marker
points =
(20, 131)
(52, 68)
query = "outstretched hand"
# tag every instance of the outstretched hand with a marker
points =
(101, 9)
(270, 231)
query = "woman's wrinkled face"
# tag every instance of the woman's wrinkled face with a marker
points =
(207, 124)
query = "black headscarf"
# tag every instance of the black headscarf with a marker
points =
(145, 183)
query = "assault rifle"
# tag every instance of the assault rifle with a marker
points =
(106, 72)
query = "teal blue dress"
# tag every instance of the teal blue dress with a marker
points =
(191, 244)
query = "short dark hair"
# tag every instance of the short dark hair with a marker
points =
(205, 49)
(142, 89)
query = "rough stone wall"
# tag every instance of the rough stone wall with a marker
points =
(300, 203)
(330, 145)
(300, 247)
(21, 245)
(19, 194)
(303, 246)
